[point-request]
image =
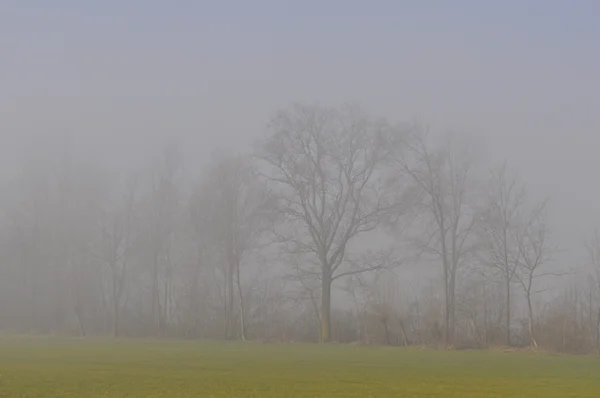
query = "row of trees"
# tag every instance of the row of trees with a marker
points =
(325, 231)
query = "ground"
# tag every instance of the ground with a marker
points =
(43, 367)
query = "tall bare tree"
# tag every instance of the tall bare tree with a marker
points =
(327, 166)
(116, 241)
(593, 249)
(199, 222)
(500, 232)
(242, 212)
(162, 215)
(535, 252)
(444, 175)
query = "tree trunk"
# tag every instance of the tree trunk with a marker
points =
(403, 330)
(445, 266)
(115, 330)
(326, 306)
(106, 312)
(446, 307)
(532, 338)
(192, 302)
(115, 299)
(367, 340)
(598, 332)
(241, 298)
(452, 306)
(155, 307)
(485, 318)
(385, 331)
(191, 317)
(81, 325)
(507, 287)
(229, 305)
(166, 307)
(79, 313)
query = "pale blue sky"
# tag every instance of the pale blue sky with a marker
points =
(123, 75)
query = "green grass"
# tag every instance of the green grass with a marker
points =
(42, 367)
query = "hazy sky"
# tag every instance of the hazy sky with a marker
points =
(121, 76)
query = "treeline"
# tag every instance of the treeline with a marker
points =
(337, 226)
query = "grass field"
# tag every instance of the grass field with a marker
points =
(41, 367)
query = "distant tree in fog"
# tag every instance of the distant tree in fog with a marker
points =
(162, 213)
(241, 214)
(327, 166)
(500, 231)
(535, 253)
(593, 249)
(330, 193)
(444, 176)
(116, 239)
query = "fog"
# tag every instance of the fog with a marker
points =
(99, 93)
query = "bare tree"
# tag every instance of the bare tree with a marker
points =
(83, 253)
(115, 243)
(593, 249)
(444, 176)
(535, 251)
(199, 222)
(500, 232)
(162, 215)
(242, 212)
(327, 165)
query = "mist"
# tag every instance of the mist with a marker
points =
(161, 171)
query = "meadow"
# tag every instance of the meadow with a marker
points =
(48, 367)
